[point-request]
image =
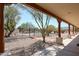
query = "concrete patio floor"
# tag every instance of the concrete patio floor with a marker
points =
(70, 48)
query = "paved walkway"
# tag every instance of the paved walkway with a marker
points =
(70, 48)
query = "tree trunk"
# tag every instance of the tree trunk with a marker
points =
(8, 35)
(29, 32)
(47, 34)
(43, 39)
(34, 32)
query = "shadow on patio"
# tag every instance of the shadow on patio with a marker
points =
(71, 49)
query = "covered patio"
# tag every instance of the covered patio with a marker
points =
(62, 12)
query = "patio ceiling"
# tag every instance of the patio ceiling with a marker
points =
(69, 12)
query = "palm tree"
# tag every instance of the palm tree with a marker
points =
(11, 18)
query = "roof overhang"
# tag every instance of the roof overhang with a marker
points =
(68, 12)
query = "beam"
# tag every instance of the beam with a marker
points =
(35, 6)
(1, 28)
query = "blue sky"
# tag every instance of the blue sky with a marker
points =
(26, 17)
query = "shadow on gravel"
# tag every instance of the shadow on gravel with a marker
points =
(28, 51)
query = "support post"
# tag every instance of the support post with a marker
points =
(59, 39)
(69, 29)
(1, 28)
(69, 34)
(73, 30)
(59, 28)
(76, 30)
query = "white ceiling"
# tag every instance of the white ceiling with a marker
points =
(68, 12)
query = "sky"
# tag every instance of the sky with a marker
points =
(25, 16)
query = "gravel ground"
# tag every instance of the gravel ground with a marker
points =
(27, 51)
(23, 45)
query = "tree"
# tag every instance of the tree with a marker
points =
(26, 27)
(50, 29)
(41, 20)
(11, 18)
